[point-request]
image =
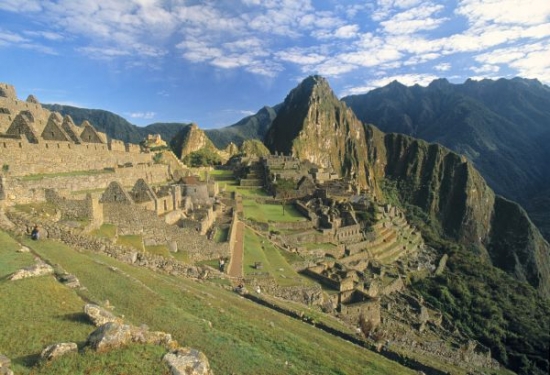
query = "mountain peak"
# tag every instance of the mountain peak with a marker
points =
(314, 125)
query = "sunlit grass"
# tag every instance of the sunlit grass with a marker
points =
(92, 172)
(105, 231)
(274, 264)
(132, 240)
(271, 212)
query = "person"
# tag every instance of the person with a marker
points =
(221, 264)
(35, 234)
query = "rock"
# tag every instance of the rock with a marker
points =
(173, 246)
(5, 365)
(24, 249)
(115, 335)
(69, 280)
(187, 361)
(4, 361)
(99, 316)
(39, 269)
(57, 350)
(110, 335)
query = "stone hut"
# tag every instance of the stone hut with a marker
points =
(53, 131)
(90, 134)
(32, 99)
(71, 129)
(115, 193)
(22, 127)
(143, 195)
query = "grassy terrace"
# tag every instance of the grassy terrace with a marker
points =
(237, 335)
(92, 172)
(273, 261)
(270, 212)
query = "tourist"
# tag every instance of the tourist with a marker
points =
(221, 264)
(35, 234)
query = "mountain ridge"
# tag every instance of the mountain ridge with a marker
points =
(502, 126)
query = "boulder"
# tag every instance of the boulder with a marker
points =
(69, 280)
(39, 269)
(187, 361)
(5, 365)
(115, 335)
(110, 335)
(57, 350)
(99, 316)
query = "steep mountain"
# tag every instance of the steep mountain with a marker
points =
(250, 127)
(451, 191)
(502, 126)
(313, 124)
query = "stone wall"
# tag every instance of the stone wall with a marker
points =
(21, 191)
(24, 158)
(131, 219)
(70, 208)
(102, 245)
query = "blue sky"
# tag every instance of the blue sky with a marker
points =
(214, 62)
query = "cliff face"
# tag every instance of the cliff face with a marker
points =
(449, 189)
(502, 126)
(313, 124)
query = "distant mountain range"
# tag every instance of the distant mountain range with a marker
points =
(251, 127)
(502, 126)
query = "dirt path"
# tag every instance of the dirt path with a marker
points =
(236, 264)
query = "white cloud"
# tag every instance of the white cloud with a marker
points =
(142, 115)
(529, 60)
(482, 12)
(443, 67)
(405, 79)
(346, 32)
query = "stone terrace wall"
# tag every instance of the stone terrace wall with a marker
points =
(101, 245)
(21, 191)
(131, 219)
(24, 158)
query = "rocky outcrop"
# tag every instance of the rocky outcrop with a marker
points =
(57, 350)
(39, 269)
(116, 335)
(187, 361)
(99, 316)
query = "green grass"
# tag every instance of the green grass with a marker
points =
(241, 338)
(37, 208)
(135, 359)
(159, 250)
(132, 240)
(270, 212)
(221, 235)
(105, 231)
(273, 262)
(321, 246)
(181, 255)
(40, 176)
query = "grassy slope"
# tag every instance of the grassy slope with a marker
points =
(236, 335)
